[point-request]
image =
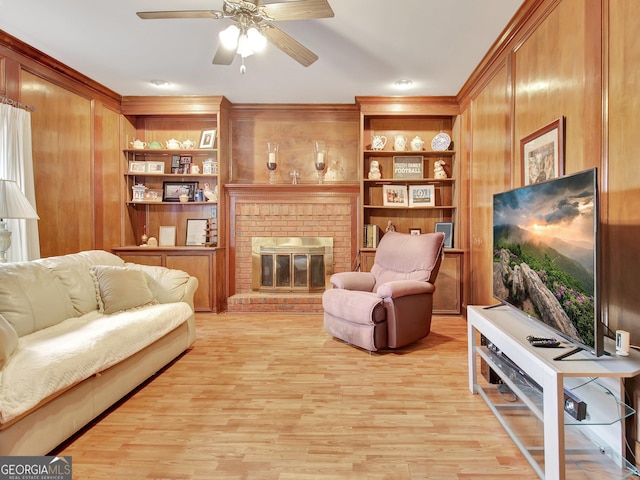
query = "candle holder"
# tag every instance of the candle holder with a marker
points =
(320, 159)
(272, 161)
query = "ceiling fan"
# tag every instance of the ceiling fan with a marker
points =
(253, 25)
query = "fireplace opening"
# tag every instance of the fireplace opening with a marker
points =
(291, 264)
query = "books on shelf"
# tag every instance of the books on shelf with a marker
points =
(371, 236)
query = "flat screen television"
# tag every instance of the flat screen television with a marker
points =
(545, 256)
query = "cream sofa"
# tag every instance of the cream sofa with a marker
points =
(77, 333)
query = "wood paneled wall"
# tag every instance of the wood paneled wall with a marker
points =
(490, 171)
(578, 59)
(63, 164)
(294, 128)
(622, 171)
(76, 145)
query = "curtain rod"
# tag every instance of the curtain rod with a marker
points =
(13, 103)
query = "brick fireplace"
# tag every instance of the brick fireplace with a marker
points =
(286, 211)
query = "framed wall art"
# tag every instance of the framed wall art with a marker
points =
(394, 195)
(207, 138)
(422, 196)
(542, 153)
(171, 191)
(415, 231)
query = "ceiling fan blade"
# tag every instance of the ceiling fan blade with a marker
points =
(181, 14)
(224, 56)
(300, 10)
(291, 47)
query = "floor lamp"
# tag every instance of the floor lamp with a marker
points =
(13, 204)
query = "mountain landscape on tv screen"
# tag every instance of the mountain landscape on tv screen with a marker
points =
(543, 246)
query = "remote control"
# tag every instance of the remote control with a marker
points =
(543, 342)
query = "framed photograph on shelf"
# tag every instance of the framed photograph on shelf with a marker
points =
(137, 167)
(408, 167)
(415, 231)
(542, 153)
(394, 195)
(207, 138)
(447, 229)
(153, 195)
(171, 191)
(196, 231)
(155, 167)
(422, 196)
(167, 236)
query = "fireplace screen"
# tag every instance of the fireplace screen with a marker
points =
(291, 264)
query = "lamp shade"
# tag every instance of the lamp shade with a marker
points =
(13, 203)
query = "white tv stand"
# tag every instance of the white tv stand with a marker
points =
(595, 442)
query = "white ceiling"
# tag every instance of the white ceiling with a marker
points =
(367, 46)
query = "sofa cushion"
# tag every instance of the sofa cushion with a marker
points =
(52, 359)
(166, 284)
(32, 297)
(8, 341)
(73, 272)
(120, 288)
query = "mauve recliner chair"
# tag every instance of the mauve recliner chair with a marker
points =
(391, 306)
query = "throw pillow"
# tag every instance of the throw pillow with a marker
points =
(120, 288)
(8, 341)
(167, 284)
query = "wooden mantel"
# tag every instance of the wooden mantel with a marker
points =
(324, 189)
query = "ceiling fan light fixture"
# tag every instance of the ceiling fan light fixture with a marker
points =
(257, 40)
(244, 46)
(229, 37)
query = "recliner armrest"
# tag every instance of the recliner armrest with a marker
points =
(361, 281)
(402, 288)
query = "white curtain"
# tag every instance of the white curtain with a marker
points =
(16, 163)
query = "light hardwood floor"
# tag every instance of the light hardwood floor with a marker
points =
(272, 396)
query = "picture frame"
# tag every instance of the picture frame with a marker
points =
(171, 191)
(422, 195)
(185, 164)
(155, 167)
(542, 153)
(408, 167)
(394, 196)
(167, 236)
(196, 231)
(153, 195)
(137, 167)
(447, 229)
(415, 231)
(207, 138)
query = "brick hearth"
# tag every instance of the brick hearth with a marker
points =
(286, 211)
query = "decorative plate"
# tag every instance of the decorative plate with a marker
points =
(440, 142)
